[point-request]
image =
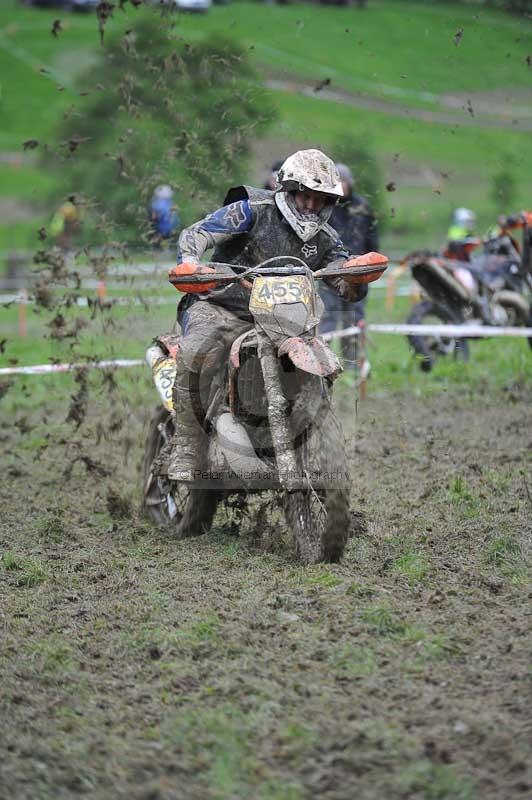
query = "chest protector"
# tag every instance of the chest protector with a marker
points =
(270, 236)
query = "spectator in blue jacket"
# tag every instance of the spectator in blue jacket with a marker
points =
(163, 212)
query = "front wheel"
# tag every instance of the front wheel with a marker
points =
(430, 347)
(319, 516)
(188, 510)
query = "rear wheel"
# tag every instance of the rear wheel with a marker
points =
(319, 516)
(517, 308)
(188, 510)
(430, 347)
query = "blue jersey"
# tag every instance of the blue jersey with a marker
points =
(164, 217)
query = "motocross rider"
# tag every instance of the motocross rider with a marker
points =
(252, 226)
(463, 225)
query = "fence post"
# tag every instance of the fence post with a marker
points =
(390, 291)
(22, 314)
(361, 360)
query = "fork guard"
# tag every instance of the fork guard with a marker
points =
(311, 355)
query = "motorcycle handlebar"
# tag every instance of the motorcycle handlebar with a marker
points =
(229, 273)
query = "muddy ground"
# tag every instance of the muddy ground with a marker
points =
(132, 665)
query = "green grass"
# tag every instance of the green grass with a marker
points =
(383, 621)
(429, 648)
(26, 48)
(25, 181)
(343, 44)
(144, 663)
(125, 332)
(52, 526)
(53, 655)
(325, 579)
(504, 553)
(232, 769)
(469, 156)
(29, 572)
(435, 782)
(21, 235)
(492, 362)
(378, 52)
(462, 496)
(354, 662)
(413, 565)
(459, 492)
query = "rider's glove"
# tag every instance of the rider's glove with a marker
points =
(353, 287)
(348, 291)
(181, 270)
(367, 260)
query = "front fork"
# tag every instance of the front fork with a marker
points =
(287, 466)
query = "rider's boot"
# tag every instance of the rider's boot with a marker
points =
(189, 438)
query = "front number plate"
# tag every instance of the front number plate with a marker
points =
(269, 291)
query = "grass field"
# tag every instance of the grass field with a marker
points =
(400, 52)
(217, 668)
(136, 666)
(125, 331)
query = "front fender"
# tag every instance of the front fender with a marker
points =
(311, 355)
(439, 281)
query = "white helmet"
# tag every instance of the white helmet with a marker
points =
(163, 192)
(310, 169)
(307, 169)
(464, 216)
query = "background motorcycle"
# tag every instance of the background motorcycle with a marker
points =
(486, 282)
(269, 418)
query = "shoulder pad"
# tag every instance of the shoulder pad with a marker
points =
(248, 193)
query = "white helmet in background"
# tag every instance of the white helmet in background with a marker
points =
(464, 216)
(307, 169)
(346, 176)
(163, 192)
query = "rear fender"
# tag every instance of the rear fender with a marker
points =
(311, 355)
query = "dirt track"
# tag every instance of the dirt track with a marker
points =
(459, 110)
(134, 666)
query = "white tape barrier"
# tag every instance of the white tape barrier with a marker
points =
(43, 369)
(449, 331)
(356, 331)
(454, 331)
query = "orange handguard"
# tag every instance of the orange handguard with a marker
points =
(366, 260)
(191, 269)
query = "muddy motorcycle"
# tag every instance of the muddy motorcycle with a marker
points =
(269, 419)
(476, 282)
